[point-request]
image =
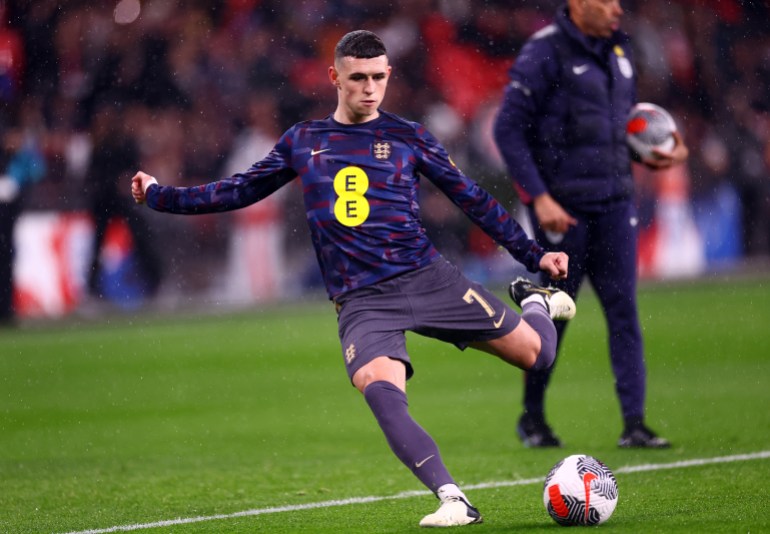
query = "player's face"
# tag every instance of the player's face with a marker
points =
(361, 85)
(597, 18)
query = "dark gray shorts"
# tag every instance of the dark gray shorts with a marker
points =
(437, 301)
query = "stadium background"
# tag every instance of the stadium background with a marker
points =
(206, 87)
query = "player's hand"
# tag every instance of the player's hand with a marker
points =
(139, 184)
(556, 264)
(551, 216)
(663, 160)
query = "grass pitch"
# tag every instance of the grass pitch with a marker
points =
(139, 424)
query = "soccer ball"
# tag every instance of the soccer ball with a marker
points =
(649, 127)
(580, 490)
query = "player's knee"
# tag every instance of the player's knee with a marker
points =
(381, 369)
(545, 358)
(519, 348)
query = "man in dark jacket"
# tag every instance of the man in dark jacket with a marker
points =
(561, 131)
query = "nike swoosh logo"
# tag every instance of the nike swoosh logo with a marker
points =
(579, 69)
(417, 465)
(314, 152)
(497, 324)
(587, 478)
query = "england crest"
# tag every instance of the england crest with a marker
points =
(382, 149)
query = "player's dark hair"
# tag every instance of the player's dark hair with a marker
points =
(361, 44)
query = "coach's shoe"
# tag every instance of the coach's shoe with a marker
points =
(535, 432)
(560, 306)
(637, 435)
(453, 512)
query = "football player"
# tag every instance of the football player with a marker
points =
(360, 169)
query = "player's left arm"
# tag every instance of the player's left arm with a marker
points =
(477, 204)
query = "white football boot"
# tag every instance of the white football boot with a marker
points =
(560, 306)
(453, 512)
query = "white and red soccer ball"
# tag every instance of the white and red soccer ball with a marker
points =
(580, 490)
(650, 127)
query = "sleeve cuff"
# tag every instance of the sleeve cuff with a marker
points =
(148, 183)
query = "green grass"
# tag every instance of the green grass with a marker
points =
(135, 420)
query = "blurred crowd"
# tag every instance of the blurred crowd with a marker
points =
(186, 89)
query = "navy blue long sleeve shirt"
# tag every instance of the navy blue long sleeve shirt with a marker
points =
(360, 185)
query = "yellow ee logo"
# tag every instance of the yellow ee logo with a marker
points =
(351, 208)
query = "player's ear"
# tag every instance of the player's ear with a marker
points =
(334, 76)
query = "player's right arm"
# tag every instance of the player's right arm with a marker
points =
(237, 191)
(139, 184)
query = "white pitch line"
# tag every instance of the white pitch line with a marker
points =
(407, 494)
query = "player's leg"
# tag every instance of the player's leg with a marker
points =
(467, 314)
(382, 382)
(450, 307)
(372, 326)
(531, 345)
(612, 273)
